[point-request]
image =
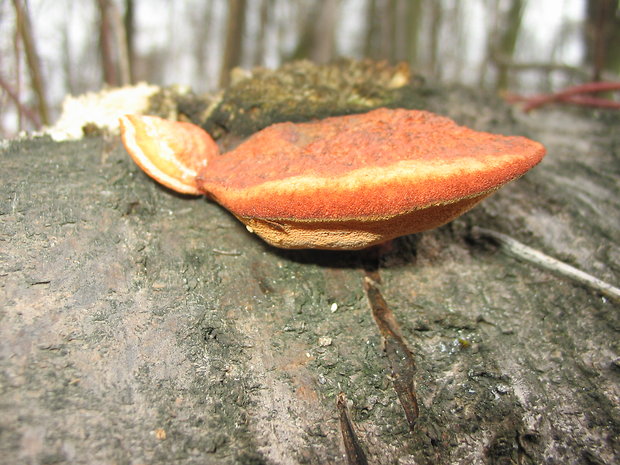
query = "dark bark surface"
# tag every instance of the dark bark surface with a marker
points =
(138, 326)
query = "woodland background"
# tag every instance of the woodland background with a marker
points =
(49, 49)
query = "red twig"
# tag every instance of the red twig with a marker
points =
(574, 94)
(588, 101)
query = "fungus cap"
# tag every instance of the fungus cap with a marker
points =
(172, 153)
(349, 182)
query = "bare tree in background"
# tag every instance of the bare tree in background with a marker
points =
(387, 37)
(432, 36)
(316, 35)
(113, 43)
(234, 39)
(380, 29)
(412, 30)
(108, 63)
(263, 27)
(24, 29)
(324, 32)
(393, 29)
(371, 27)
(201, 24)
(129, 22)
(602, 36)
(504, 47)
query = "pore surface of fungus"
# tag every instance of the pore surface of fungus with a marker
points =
(344, 182)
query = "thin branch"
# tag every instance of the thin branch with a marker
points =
(588, 101)
(572, 94)
(523, 252)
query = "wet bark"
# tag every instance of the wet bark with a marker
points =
(139, 326)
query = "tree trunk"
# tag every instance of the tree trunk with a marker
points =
(129, 27)
(506, 42)
(602, 37)
(32, 58)
(413, 31)
(234, 39)
(106, 44)
(139, 326)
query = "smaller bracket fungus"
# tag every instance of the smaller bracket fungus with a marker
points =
(345, 182)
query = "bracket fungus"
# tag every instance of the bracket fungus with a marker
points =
(345, 182)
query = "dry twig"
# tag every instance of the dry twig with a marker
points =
(523, 252)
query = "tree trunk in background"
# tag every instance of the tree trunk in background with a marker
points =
(113, 43)
(234, 39)
(602, 37)
(372, 26)
(317, 40)
(18, 80)
(108, 64)
(263, 27)
(201, 24)
(129, 23)
(384, 30)
(435, 30)
(34, 66)
(507, 42)
(400, 10)
(67, 62)
(324, 32)
(388, 27)
(412, 31)
(457, 37)
(120, 40)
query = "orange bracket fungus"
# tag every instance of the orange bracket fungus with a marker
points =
(345, 182)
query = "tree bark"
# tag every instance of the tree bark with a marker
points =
(139, 326)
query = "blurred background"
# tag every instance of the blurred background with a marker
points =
(50, 48)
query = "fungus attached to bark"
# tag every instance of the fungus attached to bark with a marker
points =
(172, 153)
(344, 182)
